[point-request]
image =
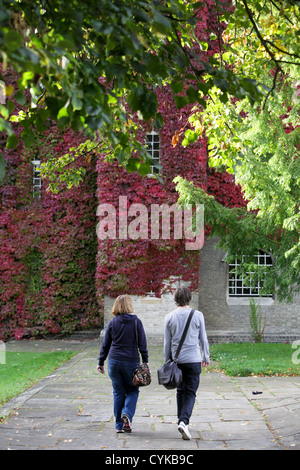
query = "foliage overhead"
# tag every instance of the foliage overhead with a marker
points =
(258, 142)
(49, 246)
(80, 61)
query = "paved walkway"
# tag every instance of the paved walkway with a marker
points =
(73, 409)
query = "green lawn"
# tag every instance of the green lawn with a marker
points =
(24, 369)
(244, 359)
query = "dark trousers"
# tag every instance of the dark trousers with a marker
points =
(186, 392)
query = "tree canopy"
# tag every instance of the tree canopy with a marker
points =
(257, 141)
(91, 65)
(81, 62)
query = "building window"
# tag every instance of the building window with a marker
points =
(37, 180)
(153, 147)
(249, 284)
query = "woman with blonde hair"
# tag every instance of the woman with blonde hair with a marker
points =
(123, 340)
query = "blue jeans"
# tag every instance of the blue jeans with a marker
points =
(124, 392)
(186, 392)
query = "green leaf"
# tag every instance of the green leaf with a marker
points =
(177, 86)
(20, 97)
(161, 23)
(192, 94)
(26, 77)
(158, 121)
(224, 98)
(144, 169)
(2, 167)
(62, 117)
(181, 101)
(143, 101)
(12, 142)
(12, 40)
(28, 137)
(10, 106)
(76, 102)
(132, 165)
(190, 137)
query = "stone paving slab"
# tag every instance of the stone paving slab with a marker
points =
(73, 409)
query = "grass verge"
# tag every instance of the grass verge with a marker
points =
(261, 359)
(23, 369)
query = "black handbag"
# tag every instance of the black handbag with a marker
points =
(169, 375)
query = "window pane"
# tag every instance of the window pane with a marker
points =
(37, 180)
(238, 287)
(153, 148)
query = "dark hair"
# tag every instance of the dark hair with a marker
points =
(182, 296)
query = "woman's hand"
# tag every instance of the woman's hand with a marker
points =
(100, 369)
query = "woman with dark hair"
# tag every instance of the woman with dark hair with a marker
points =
(190, 357)
(123, 339)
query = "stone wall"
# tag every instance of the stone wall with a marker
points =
(151, 310)
(228, 318)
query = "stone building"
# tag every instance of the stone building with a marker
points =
(225, 303)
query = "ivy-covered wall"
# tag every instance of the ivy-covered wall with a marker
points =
(54, 272)
(139, 266)
(47, 245)
(142, 266)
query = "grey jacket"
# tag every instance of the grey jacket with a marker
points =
(190, 351)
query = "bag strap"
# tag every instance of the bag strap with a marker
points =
(184, 334)
(136, 333)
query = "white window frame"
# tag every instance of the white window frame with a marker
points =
(36, 179)
(237, 289)
(153, 148)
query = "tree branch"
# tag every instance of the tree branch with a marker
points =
(286, 17)
(272, 89)
(262, 40)
(280, 50)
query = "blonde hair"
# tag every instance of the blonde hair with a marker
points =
(121, 305)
